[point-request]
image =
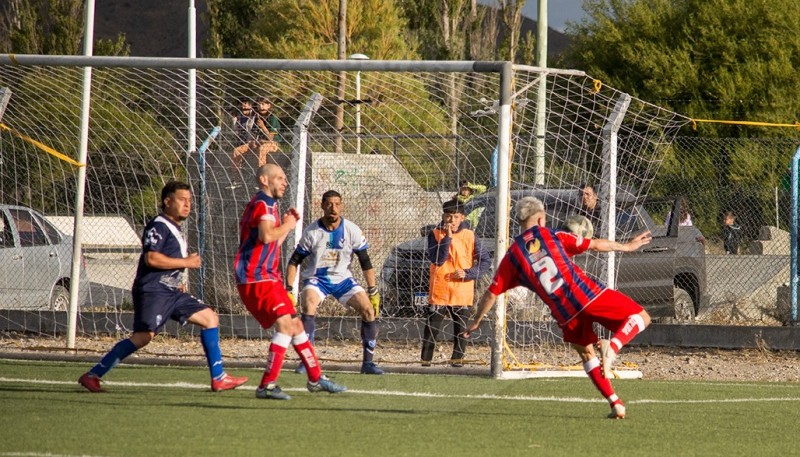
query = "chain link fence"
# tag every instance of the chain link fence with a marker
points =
(748, 180)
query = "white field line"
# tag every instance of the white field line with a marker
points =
(390, 393)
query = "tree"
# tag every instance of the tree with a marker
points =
(718, 59)
(50, 27)
(709, 59)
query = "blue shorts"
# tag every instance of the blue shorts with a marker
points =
(152, 309)
(342, 291)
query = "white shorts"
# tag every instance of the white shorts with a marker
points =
(342, 291)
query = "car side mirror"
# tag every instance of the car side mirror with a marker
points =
(426, 229)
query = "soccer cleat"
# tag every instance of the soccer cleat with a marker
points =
(91, 382)
(271, 393)
(301, 369)
(617, 411)
(608, 355)
(370, 368)
(227, 382)
(456, 363)
(426, 363)
(325, 385)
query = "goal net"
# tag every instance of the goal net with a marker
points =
(396, 139)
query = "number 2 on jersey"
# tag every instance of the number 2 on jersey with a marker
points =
(548, 275)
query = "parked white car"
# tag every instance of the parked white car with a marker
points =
(35, 262)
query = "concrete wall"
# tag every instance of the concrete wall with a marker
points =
(746, 287)
(379, 196)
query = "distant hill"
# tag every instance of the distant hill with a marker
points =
(159, 28)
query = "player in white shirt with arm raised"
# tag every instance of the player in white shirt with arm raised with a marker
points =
(327, 246)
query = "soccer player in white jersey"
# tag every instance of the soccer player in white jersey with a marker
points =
(327, 246)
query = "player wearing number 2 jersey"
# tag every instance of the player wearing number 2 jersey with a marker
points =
(539, 259)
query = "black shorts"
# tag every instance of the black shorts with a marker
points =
(151, 310)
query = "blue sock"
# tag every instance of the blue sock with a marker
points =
(309, 325)
(210, 339)
(369, 333)
(122, 349)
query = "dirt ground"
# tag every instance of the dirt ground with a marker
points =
(654, 362)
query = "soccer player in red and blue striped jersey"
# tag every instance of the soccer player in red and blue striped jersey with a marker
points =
(260, 284)
(539, 259)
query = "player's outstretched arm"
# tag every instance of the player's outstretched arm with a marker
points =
(603, 245)
(486, 302)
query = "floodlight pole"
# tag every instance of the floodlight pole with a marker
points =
(358, 100)
(541, 93)
(794, 258)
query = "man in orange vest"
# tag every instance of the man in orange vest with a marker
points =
(457, 259)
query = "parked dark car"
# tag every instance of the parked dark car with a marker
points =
(35, 262)
(667, 277)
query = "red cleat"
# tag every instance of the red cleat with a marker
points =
(227, 382)
(91, 382)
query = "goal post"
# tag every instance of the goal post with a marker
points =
(417, 142)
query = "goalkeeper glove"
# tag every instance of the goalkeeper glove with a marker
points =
(375, 299)
(291, 295)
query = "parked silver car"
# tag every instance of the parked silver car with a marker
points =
(35, 262)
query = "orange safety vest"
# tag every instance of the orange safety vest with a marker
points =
(444, 289)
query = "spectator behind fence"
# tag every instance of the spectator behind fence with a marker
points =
(589, 206)
(466, 192)
(457, 260)
(267, 122)
(685, 219)
(255, 131)
(731, 233)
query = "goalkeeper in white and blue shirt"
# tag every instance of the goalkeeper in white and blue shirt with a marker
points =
(327, 247)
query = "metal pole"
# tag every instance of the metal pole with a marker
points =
(503, 190)
(83, 148)
(358, 56)
(358, 112)
(541, 93)
(191, 112)
(608, 227)
(793, 241)
(202, 211)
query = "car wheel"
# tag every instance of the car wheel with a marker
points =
(59, 300)
(684, 306)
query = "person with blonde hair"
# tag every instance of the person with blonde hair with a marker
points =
(540, 260)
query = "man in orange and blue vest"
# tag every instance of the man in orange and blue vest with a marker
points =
(457, 260)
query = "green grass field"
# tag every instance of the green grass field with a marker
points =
(171, 411)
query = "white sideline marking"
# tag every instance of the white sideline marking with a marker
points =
(187, 385)
(621, 374)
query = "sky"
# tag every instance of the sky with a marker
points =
(558, 11)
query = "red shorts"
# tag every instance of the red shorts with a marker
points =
(266, 301)
(610, 309)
